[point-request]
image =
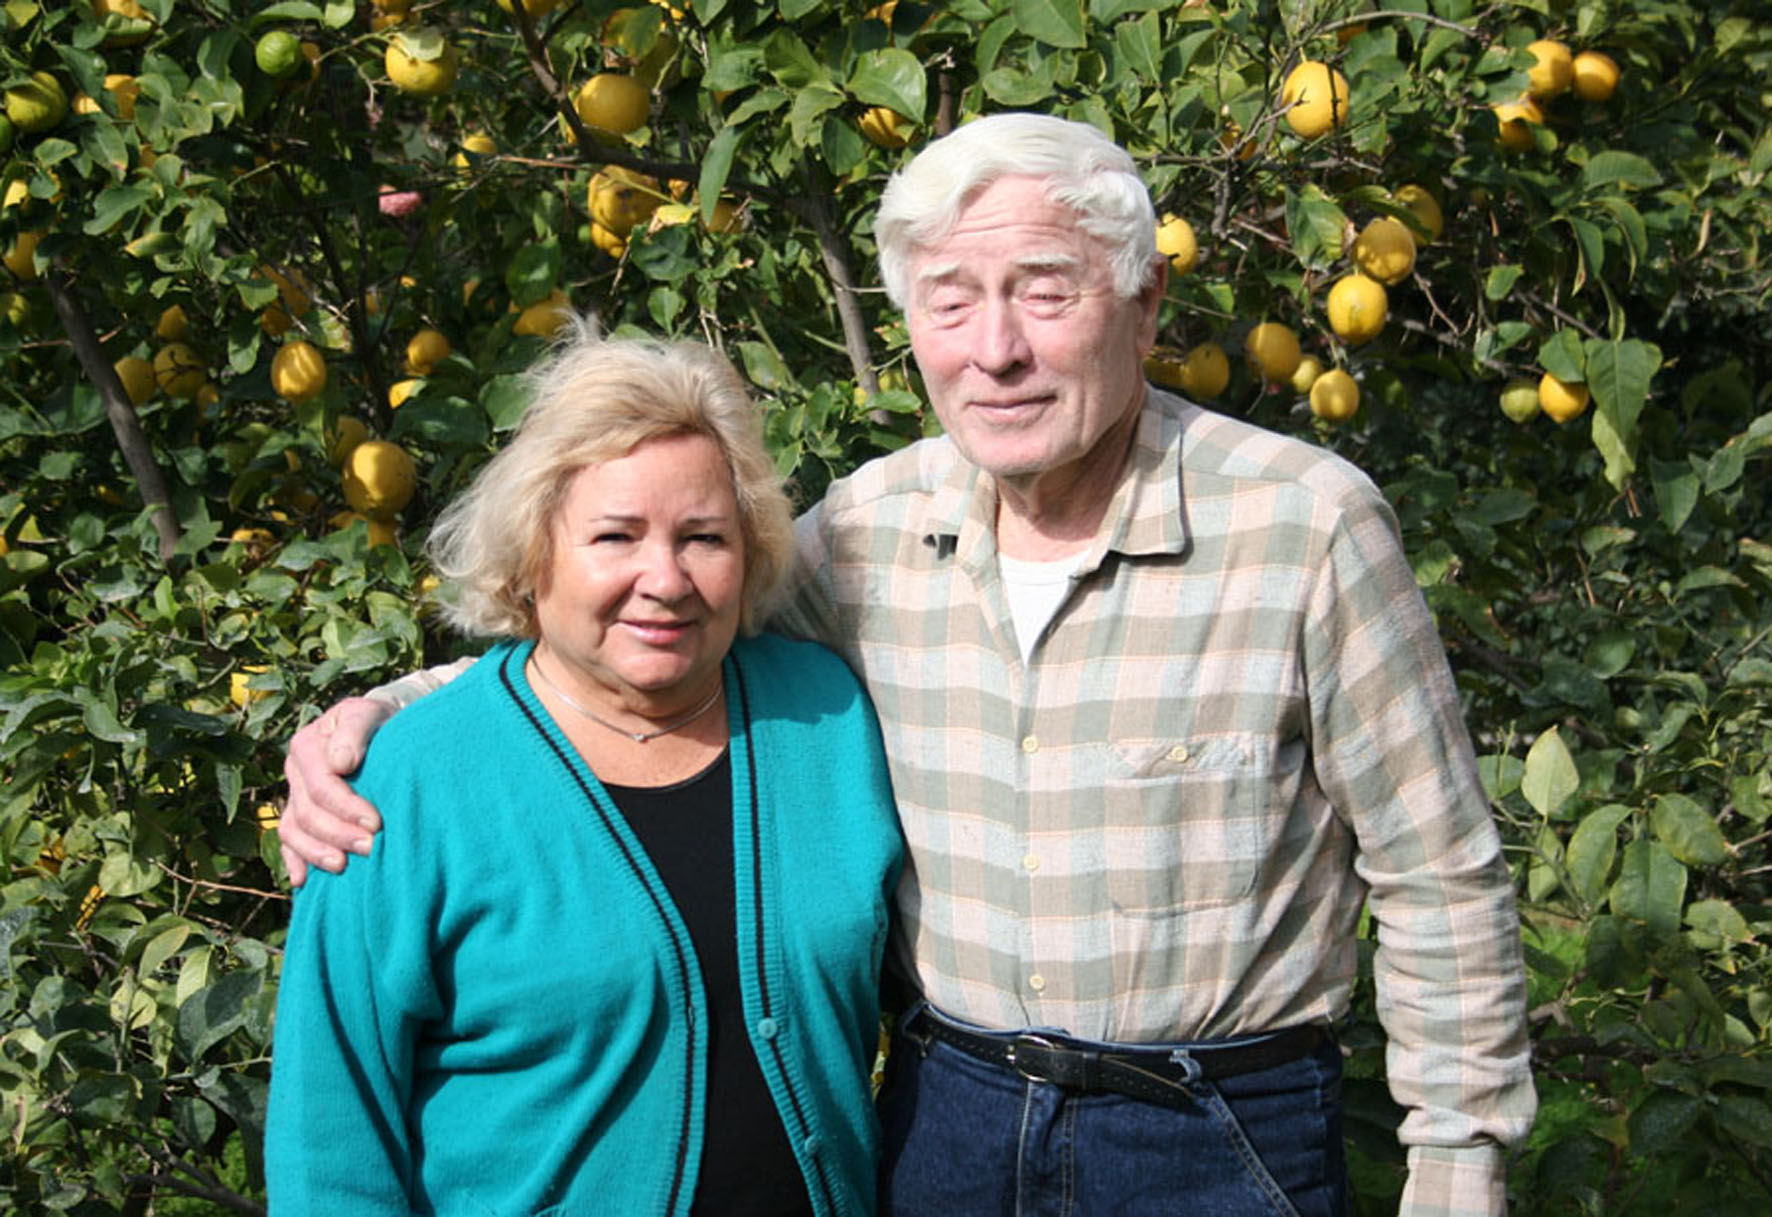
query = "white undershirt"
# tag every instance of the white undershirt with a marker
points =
(1034, 591)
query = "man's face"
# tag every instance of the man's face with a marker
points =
(1032, 363)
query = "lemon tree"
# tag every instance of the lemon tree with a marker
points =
(1553, 358)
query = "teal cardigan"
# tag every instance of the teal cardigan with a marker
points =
(499, 1011)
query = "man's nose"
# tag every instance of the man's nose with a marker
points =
(1000, 343)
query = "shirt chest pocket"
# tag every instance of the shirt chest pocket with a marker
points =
(1191, 824)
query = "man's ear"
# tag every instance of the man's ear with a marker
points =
(1150, 297)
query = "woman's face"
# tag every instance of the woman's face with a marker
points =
(640, 600)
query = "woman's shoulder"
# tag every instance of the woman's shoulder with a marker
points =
(775, 654)
(441, 723)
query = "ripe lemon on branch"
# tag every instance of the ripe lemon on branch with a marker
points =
(1552, 69)
(137, 377)
(36, 105)
(1205, 371)
(379, 478)
(1176, 241)
(298, 371)
(1594, 75)
(613, 104)
(1562, 399)
(1358, 307)
(1425, 209)
(1272, 350)
(620, 199)
(1316, 98)
(179, 370)
(1385, 249)
(886, 127)
(422, 62)
(1335, 397)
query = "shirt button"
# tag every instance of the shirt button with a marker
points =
(1030, 863)
(1030, 743)
(766, 1028)
(1178, 754)
(1037, 983)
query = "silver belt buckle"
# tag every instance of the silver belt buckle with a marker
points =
(1013, 1058)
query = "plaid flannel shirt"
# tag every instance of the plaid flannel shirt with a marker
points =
(1238, 728)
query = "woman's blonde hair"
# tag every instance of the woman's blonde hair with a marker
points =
(595, 400)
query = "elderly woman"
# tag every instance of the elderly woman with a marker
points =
(618, 947)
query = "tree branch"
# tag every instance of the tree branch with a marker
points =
(138, 454)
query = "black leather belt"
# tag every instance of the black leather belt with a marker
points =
(1156, 1075)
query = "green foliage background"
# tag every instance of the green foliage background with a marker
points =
(1604, 587)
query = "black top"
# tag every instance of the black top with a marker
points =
(747, 1166)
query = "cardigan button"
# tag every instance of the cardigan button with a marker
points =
(812, 1144)
(766, 1027)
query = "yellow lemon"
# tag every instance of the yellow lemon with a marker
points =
(1552, 69)
(1385, 249)
(427, 349)
(268, 817)
(1515, 120)
(137, 375)
(179, 370)
(1161, 367)
(420, 77)
(173, 325)
(1175, 241)
(545, 318)
(1316, 98)
(477, 142)
(298, 370)
(613, 103)
(1357, 308)
(1205, 371)
(21, 256)
(621, 200)
(1519, 399)
(132, 21)
(1425, 209)
(37, 105)
(608, 242)
(1595, 75)
(1272, 351)
(1335, 397)
(885, 127)
(1561, 399)
(379, 478)
(238, 680)
(400, 390)
(1306, 373)
(344, 434)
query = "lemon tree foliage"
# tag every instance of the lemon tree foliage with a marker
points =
(230, 228)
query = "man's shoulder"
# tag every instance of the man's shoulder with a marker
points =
(916, 471)
(1216, 446)
(460, 704)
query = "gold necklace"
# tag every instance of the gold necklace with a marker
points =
(639, 737)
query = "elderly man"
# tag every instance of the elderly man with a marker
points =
(1164, 709)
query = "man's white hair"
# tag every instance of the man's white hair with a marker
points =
(1082, 168)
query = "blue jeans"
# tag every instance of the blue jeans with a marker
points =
(964, 1138)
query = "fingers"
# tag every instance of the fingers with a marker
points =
(324, 818)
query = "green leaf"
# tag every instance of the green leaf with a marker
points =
(212, 1014)
(162, 947)
(533, 272)
(764, 367)
(1744, 793)
(1056, 23)
(805, 118)
(1550, 773)
(893, 78)
(1500, 281)
(1618, 168)
(1316, 223)
(1720, 918)
(1542, 876)
(1140, 44)
(504, 399)
(1662, 1121)
(1745, 1116)
(1561, 355)
(1592, 244)
(1651, 887)
(716, 164)
(1689, 833)
(101, 722)
(789, 61)
(1593, 847)
(1618, 375)
(1676, 491)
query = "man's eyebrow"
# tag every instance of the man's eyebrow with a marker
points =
(1039, 263)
